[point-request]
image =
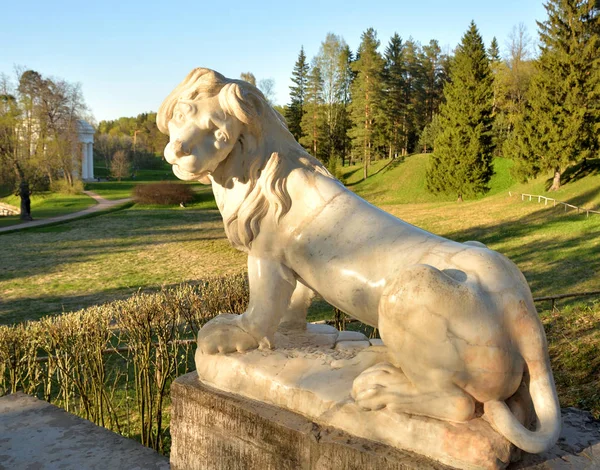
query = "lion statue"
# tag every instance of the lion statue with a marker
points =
(457, 319)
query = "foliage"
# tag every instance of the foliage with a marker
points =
(38, 133)
(295, 110)
(429, 134)
(138, 137)
(63, 187)
(334, 60)
(313, 120)
(462, 162)
(562, 122)
(365, 109)
(163, 193)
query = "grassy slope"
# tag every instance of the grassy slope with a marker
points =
(46, 204)
(557, 251)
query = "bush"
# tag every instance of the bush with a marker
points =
(163, 193)
(63, 187)
(113, 363)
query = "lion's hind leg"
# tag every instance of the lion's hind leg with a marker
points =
(425, 368)
(386, 386)
(294, 317)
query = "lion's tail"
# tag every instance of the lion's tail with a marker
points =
(531, 343)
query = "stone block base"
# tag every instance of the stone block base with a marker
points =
(212, 429)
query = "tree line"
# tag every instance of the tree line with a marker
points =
(469, 106)
(128, 144)
(345, 105)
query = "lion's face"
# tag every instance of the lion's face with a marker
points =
(201, 137)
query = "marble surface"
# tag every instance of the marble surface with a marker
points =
(313, 376)
(457, 319)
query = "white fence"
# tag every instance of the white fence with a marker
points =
(566, 205)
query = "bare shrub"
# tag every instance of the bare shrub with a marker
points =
(163, 193)
(83, 361)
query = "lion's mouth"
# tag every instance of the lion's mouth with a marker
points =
(186, 175)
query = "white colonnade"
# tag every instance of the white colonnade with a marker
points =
(86, 138)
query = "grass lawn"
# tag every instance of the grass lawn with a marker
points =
(48, 270)
(46, 204)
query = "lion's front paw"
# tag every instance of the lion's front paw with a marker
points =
(224, 334)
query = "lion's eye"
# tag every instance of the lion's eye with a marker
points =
(179, 116)
(220, 135)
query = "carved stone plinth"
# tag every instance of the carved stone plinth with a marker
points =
(212, 429)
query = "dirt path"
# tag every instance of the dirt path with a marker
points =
(102, 204)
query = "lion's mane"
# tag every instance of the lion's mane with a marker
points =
(265, 172)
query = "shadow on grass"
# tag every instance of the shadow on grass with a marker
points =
(588, 167)
(387, 167)
(54, 248)
(570, 260)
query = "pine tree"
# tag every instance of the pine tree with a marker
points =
(414, 96)
(366, 95)
(312, 123)
(462, 162)
(433, 78)
(494, 51)
(394, 96)
(295, 110)
(347, 77)
(563, 119)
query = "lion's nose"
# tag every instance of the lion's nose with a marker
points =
(179, 150)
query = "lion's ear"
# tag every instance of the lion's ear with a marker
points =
(243, 102)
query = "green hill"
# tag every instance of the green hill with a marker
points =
(402, 181)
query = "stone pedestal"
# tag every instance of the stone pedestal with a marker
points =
(212, 429)
(216, 430)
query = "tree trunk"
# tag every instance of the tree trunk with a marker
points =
(25, 201)
(556, 181)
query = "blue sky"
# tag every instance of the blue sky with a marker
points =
(128, 55)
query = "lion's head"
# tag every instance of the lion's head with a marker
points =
(217, 126)
(207, 117)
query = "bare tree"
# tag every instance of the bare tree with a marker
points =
(119, 166)
(267, 86)
(249, 77)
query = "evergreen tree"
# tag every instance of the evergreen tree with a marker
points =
(312, 123)
(494, 51)
(366, 96)
(295, 110)
(346, 79)
(414, 96)
(563, 120)
(433, 78)
(462, 162)
(394, 97)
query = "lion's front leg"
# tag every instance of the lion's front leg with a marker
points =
(271, 288)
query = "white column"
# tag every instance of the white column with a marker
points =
(90, 153)
(84, 161)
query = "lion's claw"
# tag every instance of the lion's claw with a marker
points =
(224, 334)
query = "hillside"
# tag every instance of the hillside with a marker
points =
(402, 181)
(558, 251)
